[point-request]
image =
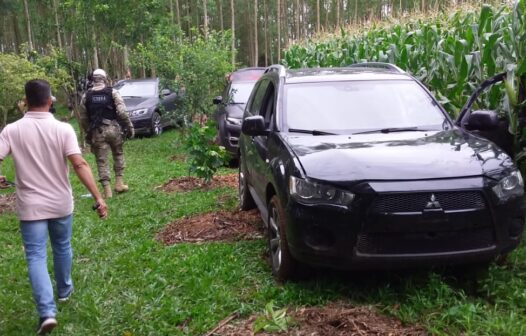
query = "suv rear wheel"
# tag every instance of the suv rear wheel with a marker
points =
(284, 266)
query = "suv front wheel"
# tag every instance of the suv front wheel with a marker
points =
(246, 202)
(284, 266)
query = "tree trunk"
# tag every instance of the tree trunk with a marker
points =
(256, 58)
(57, 25)
(298, 19)
(355, 11)
(28, 25)
(265, 8)
(233, 28)
(94, 41)
(318, 16)
(220, 7)
(279, 28)
(337, 13)
(205, 23)
(16, 29)
(178, 14)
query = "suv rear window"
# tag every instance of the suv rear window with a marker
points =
(351, 106)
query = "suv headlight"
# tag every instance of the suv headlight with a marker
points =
(136, 113)
(315, 193)
(509, 187)
(233, 121)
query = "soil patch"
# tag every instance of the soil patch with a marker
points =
(7, 203)
(213, 226)
(188, 183)
(181, 157)
(335, 319)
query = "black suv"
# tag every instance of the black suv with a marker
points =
(360, 167)
(150, 104)
(231, 104)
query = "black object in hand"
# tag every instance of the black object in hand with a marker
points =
(96, 206)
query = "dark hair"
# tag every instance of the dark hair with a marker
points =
(38, 92)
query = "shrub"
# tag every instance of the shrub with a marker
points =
(204, 155)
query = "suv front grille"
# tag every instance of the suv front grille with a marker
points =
(416, 202)
(421, 243)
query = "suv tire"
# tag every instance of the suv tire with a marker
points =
(246, 202)
(284, 266)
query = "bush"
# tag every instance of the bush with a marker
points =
(204, 155)
(15, 71)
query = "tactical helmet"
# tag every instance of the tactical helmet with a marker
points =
(99, 73)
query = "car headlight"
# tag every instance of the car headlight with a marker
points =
(136, 113)
(233, 121)
(509, 187)
(315, 193)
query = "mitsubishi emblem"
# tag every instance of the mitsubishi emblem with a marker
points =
(433, 203)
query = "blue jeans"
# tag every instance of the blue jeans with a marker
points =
(34, 235)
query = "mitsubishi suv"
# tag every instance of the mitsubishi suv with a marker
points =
(361, 167)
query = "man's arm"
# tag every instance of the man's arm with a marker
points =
(85, 175)
(83, 114)
(122, 114)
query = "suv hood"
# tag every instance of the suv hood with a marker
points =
(397, 156)
(140, 103)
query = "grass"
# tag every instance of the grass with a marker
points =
(126, 283)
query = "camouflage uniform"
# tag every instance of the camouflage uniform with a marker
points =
(107, 137)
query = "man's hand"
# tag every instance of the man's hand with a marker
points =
(130, 132)
(4, 183)
(102, 208)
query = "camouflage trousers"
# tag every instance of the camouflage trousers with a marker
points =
(103, 140)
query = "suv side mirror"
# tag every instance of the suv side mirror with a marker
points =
(217, 100)
(482, 120)
(254, 126)
(165, 92)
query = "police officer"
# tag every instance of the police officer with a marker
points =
(102, 114)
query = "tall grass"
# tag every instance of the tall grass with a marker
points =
(452, 54)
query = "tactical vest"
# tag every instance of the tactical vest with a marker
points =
(100, 105)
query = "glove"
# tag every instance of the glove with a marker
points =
(130, 132)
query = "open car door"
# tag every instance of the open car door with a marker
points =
(486, 123)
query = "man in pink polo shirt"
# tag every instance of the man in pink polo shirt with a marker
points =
(41, 146)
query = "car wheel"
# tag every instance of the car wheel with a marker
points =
(156, 128)
(246, 202)
(284, 266)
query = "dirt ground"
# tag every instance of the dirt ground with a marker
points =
(189, 183)
(7, 203)
(213, 226)
(335, 319)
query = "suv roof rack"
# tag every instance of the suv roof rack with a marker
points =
(280, 69)
(378, 65)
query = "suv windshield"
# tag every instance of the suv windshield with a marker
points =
(136, 89)
(358, 106)
(239, 92)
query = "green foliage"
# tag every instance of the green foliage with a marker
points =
(205, 157)
(15, 71)
(196, 66)
(450, 54)
(272, 320)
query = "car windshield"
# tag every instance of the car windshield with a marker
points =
(361, 106)
(136, 89)
(239, 92)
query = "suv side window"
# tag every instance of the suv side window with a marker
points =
(267, 108)
(257, 100)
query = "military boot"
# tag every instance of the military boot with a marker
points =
(119, 185)
(107, 191)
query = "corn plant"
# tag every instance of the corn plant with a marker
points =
(451, 54)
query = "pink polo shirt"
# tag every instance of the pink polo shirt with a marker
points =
(40, 145)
